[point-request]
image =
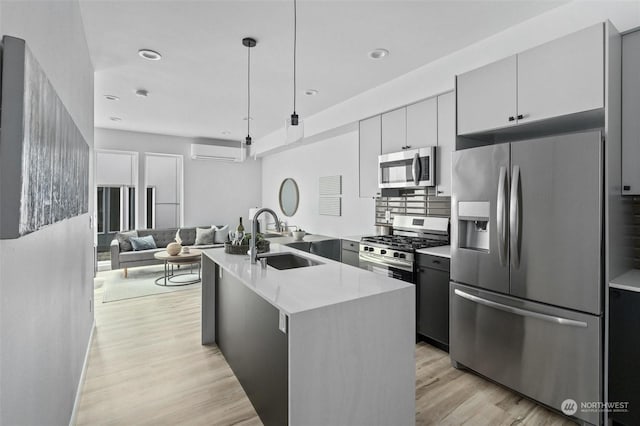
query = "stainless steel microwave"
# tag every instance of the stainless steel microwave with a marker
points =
(407, 169)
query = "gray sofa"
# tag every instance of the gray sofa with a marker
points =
(123, 256)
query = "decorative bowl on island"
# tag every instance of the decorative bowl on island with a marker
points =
(298, 235)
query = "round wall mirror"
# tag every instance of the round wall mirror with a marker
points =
(289, 197)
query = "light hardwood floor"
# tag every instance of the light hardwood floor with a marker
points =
(147, 367)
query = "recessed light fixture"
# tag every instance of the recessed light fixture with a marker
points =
(311, 92)
(149, 54)
(226, 132)
(378, 53)
(111, 97)
(142, 93)
(115, 118)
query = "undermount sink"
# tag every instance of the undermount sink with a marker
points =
(289, 261)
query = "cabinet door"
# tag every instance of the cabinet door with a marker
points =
(394, 130)
(422, 124)
(624, 354)
(487, 97)
(446, 142)
(369, 150)
(433, 304)
(562, 77)
(631, 113)
(351, 258)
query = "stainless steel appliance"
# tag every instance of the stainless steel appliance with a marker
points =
(527, 265)
(394, 255)
(407, 169)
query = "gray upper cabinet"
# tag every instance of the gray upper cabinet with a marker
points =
(631, 113)
(394, 130)
(422, 124)
(562, 77)
(446, 142)
(368, 152)
(487, 97)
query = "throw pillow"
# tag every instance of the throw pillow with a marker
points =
(143, 243)
(204, 236)
(178, 239)
(123, 239)
(222, 234)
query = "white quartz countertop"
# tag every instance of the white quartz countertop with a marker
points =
(307, 238)
(355, 238)
(442, 251)
(301, 289)
(627, 281)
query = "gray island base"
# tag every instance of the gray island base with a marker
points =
(328, 344)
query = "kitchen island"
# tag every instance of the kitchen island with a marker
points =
(316, 345)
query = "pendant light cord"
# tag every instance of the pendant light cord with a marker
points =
(295, 32)
(248, 88)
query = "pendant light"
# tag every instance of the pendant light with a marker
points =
(249, 43)
(295, 126)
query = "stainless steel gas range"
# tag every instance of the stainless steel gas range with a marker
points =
(394, 255)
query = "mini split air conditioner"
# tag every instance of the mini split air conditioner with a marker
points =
(216, 152)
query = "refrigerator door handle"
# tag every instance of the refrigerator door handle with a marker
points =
(519, 311)
(501, 216)
(415, 169)
(514, 217)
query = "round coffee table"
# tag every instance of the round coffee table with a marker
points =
(170, 278)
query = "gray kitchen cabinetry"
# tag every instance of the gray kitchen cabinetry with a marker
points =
(559, 78)
(394, 130)
(446, 142)
(562, 77)
(350, 254)
(368, 151)
(631, 113)
(487, 97)
(422, 124)
(432, 297)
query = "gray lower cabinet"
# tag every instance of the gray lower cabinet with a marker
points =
(350, 254)
(624, 355)
(432, 299)
(247, 333)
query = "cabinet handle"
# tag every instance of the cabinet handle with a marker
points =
(627, 188)
(520, 116)
(437, 262)
(512, 118)
(421, 270)
(408, 146)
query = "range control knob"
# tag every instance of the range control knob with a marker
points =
(396, 254)
(402, 255)
(368, 248)
(383, 252)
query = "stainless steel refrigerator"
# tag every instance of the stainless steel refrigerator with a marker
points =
(527, 267)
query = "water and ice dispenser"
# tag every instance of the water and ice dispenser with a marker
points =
(473, 225)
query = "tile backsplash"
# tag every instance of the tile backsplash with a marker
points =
(421, 202)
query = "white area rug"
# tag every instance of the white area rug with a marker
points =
(140, 283)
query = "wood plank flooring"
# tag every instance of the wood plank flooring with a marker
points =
(147, 367)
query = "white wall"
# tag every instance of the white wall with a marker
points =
(337, 155)
(438, 76)
(46, 278)
(215, 192)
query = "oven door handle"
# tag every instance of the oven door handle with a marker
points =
(400, 265)
(415, 169)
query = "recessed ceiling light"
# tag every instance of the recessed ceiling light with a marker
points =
(245, 118)
(142, 93)
(111, 97)
(226, 132)
(378, 53)
(149, 54)
(311, 92)
(115, 118)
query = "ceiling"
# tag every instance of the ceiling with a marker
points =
(199, 88)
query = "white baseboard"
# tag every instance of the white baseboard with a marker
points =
(76, 402)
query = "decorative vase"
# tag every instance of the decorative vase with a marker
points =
(173, 248)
